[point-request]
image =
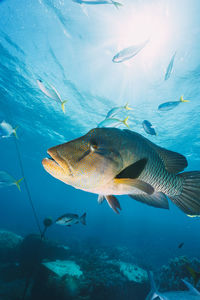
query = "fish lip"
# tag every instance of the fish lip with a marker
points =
(62, 163)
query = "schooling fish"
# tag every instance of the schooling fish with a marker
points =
(169, 68)
(128, 53)
(50, 91)
(112, 122)
(70, 219)
(7, 180)
(110, 161)
(6, 130)
(171, 105)
(191, 294)
(148, 127)
(96, 2)
(117, 109)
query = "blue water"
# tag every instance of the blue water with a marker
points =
(72, 48)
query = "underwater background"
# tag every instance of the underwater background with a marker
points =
(71, 47)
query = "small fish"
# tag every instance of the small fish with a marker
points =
(111, 161)
(112, 122)
(70, 219)
(180, 245)
(148, 127)
(169, 68)
(6, 130)
(96, 2)
(117, 109)
(50, 91)
(171, 105)
(191, 294)
(129, 52)
(7, 180)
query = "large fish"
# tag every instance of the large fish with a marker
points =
(110, 161)
(191, 294)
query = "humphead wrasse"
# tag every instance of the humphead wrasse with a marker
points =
(110, 161)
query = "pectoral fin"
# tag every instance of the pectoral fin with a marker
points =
(101, 198)
(136, 183)
(133, 171)
(113, 203)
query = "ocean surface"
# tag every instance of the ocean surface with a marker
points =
(71, 47)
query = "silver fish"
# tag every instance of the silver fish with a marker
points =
(191, 294)
(117, 109)
(129, 52)
(6, 130)
(171, 105)
(50, 91)
(113, 122)
(169, 68)
(7, 180)
(70, 219)
(110, 161)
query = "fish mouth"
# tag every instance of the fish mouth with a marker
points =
(56, 165)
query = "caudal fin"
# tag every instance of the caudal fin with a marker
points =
(127, 107)
(153, 294)
(117, 4)
(15, 132)
(125, 122)
(188, 200)
(195, 275)
(18, 182)
(83, 219)
(182, 100)
(63, 105)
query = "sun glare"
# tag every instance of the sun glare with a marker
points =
(149, 22)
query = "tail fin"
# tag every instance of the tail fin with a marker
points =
(15, 132)
(182, 100)
(83, 219)
(127, 107)
(125, 122)
(195, 275)
(153, 293)
(188, 200)
(18, 182)
(116, 4)
(63, 105)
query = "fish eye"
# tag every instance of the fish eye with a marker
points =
(93, 145)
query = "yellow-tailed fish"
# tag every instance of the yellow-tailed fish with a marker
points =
(117, 109)
(50, 91)
(6, 130)
(113, 122)
(7, 180)
(110, 162)
(171, 105)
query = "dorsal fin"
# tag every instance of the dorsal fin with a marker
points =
(173, 161)
(191, 288)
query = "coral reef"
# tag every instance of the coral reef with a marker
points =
(170, 275)
(9, 245)
(64, 267)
